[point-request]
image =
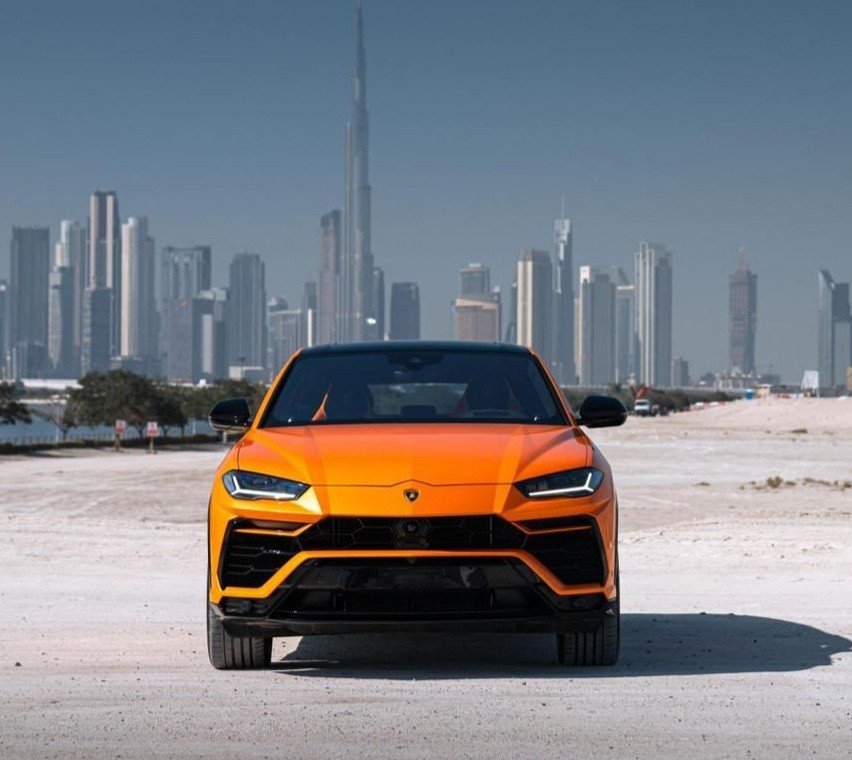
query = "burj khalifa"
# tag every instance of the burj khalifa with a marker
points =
(355, 310)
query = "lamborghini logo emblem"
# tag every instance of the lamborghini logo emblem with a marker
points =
(412, 494)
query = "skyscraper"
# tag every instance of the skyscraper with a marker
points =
(289, 330)
(405, 311)
(625, 331)
(597, 300)
(377, 322)
(475, 282)
(26, 331)
(247, 311)
(512, 319)
(138, 308)
(357, 261)
(534, 275)
(71, 251)
(4, 292)
(184, 272)
(211, 333)
(834, 330)
(477, 320)
(653, 298)
(563, 303)
(95, 344)
(742, 317)
(309, 309)
(328, 284)
(477, 310)
(104, 262)
(60, 322)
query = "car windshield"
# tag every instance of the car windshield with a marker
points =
(414, 386)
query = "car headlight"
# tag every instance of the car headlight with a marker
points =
(253, 485)
(570, 484)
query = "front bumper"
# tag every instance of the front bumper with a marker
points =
(346, 595)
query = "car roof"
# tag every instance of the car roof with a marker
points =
(415, 345)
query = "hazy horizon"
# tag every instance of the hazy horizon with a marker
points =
(700, 126)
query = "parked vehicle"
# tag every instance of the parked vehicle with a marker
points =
(643, 407)
(413, 486)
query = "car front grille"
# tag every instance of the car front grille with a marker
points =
(574, 556)
(422, 588)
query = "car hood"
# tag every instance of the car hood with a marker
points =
(433, 453)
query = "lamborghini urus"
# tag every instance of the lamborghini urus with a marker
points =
(413, 487)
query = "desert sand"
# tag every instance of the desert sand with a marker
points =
(736, 597)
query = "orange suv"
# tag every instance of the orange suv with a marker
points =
(413, 487)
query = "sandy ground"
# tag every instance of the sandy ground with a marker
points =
(737, 607)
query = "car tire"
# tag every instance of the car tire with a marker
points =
(229, 652)
(598, 647)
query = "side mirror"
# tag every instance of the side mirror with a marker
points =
(601, 411)
(230, 415)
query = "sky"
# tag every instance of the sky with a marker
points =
(704, 126)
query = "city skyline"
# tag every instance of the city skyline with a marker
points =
(509, 215)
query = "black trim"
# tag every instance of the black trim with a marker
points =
(430, 594)
(574, 557)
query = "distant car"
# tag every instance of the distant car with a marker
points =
(413, 486)
(643, 407)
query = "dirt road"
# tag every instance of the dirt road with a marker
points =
(737, 608)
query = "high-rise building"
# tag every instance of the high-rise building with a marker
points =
(653, 299)
(680, 373)
(357, 261)
(309, 309)
(328, 284)
(597, 301)
(104, 260)
(26, 330)
(210, 333)
(477, 320)
(563, 303)
(377, 322)
(247, 329)
(534, 276)
(477, 310)
(60, 322)
(4, 292)
(289, 330)
(834, 332)
(742, 317)
(405, 311)
(138, 307)
(512, 320)
(625, 332)
(184, 272)
(475, 282)
(72, 251)
(95, 345)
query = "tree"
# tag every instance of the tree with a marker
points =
(12, 410)
(54, 412)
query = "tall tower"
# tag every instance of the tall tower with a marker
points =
(534, 317)
(357, 261)
(742, 317)
(247, 311)
(138, 320)
(563, 302)
(597, 300)
(653, 303)
(26, 330)
(104, 264)
(405, 311)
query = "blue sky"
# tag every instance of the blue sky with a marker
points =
(701, 125)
